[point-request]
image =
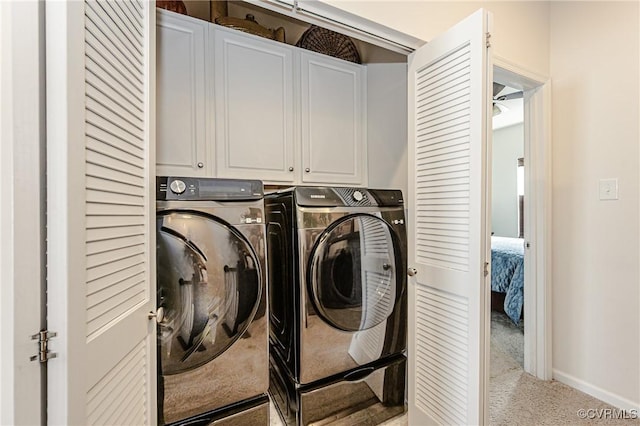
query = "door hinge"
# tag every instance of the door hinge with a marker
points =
(43, 338)
(487, 39)
(486, 268)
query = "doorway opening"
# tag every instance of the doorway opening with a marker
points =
(507, 234)
(521, 335)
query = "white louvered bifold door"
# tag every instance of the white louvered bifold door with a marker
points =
(448, 233)
(101, 213)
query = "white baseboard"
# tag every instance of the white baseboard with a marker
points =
(596, 392)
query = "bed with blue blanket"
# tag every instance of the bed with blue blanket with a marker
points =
(507, 273)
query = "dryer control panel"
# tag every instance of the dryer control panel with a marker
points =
(347, 197)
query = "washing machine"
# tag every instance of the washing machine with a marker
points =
(212, 298)
(337, 276)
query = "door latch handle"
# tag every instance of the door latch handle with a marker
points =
(157, 315)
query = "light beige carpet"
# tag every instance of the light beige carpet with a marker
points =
(518, 398)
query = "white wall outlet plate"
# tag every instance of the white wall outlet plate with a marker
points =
(608, 189)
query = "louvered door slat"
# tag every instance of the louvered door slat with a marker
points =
(121, 252)
(129, 32)
(106, 98)
(98, 247)
(118, 382)
(112, 162)
(440, 65)
(137, 7)
(102, 314)
(114, 209)
(445, 86)
(118, 130)
(453, 146)
(131, 20)
(128, 274)
(103, 81)
(112, 140)
(100, 171)
(103, 107)
(109, 54)
(114, 186)
(102, 24)
(118, 156)
(105, 66)
(110, 292)
(450, 104)
(106, 269)
(439, 335)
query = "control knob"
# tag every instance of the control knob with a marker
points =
(178, 187)
(357, 196)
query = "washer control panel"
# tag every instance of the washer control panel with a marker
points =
(203, 189)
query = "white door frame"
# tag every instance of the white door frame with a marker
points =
(22, 195)
(537, 216)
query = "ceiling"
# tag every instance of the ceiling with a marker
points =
(514, 112)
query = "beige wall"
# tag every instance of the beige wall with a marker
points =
(520, 34)
(508, 146)
(596, 291)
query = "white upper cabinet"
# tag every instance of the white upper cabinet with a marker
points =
(254, 107)
(182, 109)
(235, 105)
(333, 122)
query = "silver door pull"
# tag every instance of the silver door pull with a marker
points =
(412, 271)
(158, 315)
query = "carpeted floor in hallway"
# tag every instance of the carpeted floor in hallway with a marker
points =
(518, 398)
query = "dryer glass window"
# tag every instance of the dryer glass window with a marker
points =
(209, 286)
(352, 273)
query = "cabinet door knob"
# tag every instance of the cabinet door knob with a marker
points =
(290, 169)
(200, 165)
(307, 170)
(412, 272)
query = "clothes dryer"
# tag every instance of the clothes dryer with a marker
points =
(211, 276)
(337, 273)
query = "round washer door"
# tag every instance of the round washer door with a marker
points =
(208, 285)
(352, 273)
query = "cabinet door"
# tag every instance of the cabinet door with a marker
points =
(181, 129)
(254, 107)
(333, 121)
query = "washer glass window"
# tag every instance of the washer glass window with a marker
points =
(208, 284)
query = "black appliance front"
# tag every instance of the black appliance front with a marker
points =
(211, 296)
(341, 302)
(255, 411)
(367, 396)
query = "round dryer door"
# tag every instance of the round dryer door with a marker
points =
(208, 284)
(352, 273)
